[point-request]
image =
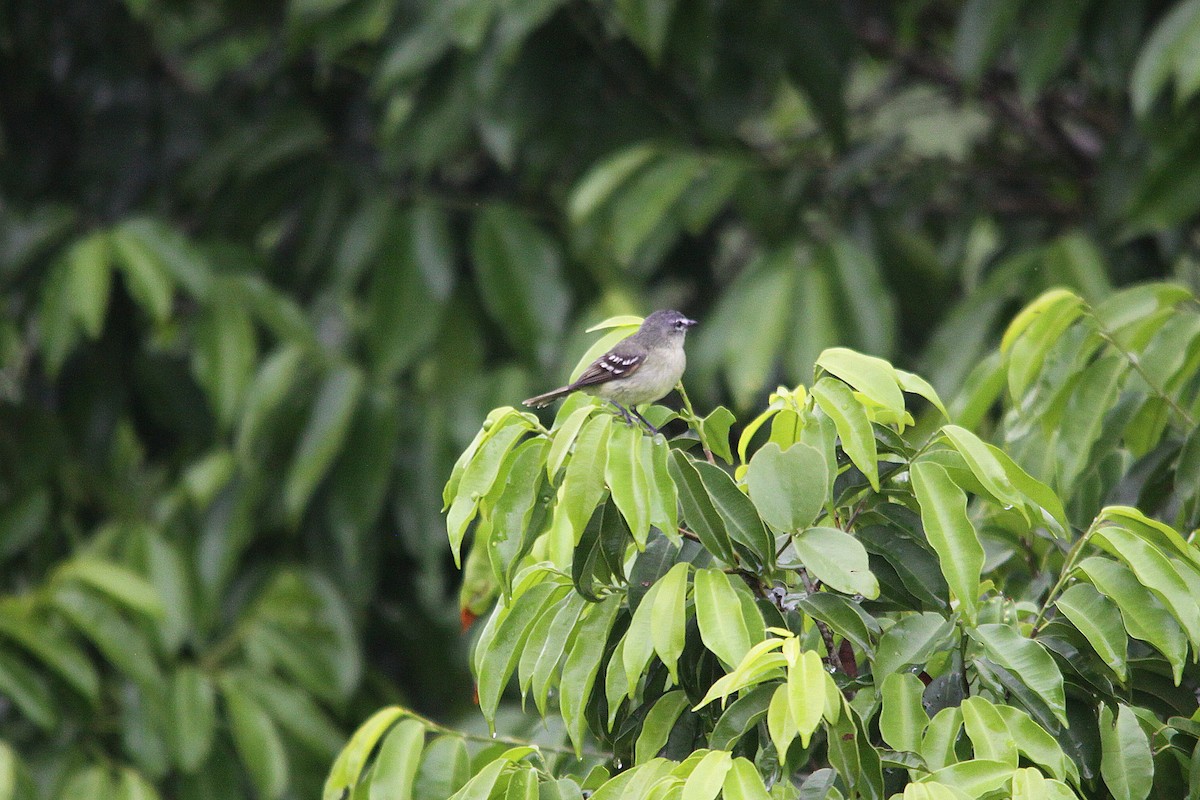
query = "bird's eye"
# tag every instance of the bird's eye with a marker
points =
(679, 325)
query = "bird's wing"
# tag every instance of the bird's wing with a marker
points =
(610, 366)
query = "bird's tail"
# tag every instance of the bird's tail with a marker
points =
(543, 400)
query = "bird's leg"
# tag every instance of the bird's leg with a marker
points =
(645, 422)
(624, 412)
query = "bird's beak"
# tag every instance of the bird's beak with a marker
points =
(689, 322)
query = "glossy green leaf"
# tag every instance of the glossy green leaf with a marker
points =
(938, 741)
(583, 663)
(976, 777)
(626, 478)
(789, 487)
(667, 621)
(1127, 765)
(444, 769)
(742, 782)
(658, 724)
(911, 641)
(723, 628)
(988, 732)
(698, 510)
(396, 766)
(737, 513)
(1156, 572)
(853, 425)
(583, 482)
(837, 559)
(1099, 620)
(950, 532)
(497, 658)
(708, 776)
(874, 377)
(902, 719)
(806, 678)
(1027, 660)
(344, 773)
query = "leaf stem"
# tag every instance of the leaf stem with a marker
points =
(694, 422)
(516, 742)
(1134, 362)
(1064, 575)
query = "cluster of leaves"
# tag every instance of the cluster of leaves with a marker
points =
(856, 603)
(265, 266)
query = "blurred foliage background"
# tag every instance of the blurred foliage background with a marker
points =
(264, 268)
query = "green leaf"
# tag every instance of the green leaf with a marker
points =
(193, 712)
(1099, 620)
(323, 436)
(596, 187)
(781, 726)
(29, 691)
(837, 559)
(131, 785)
(742, 782)
(853, 425)
(146, 276)
(267, 393)
(789, 487)
(115, 582)
(983, 27)
(668, 624)
(563, 438)
(396, 766)
(61, 655)
(1037, 745)
(950, 532)
(976, 778)
(644, 204)
(1126, 764)
(1143, 614)
(583, 663)
(716, 432)
(741, 716)
(123, 644)
(88, 264)
(543, 652)
(988, 732)
(737, 512)
(1027, 660)
(698, 509)
(445, 768)
(986, 467)
(343, 775)
(1157, 573)
(624, 473)
(496, 660)
(875, 378)
(476, 480)
(583, 483)
(295, 711)
(520, 270)
(708, 776)
(902, 718)
(1033, 332)
(911, 641)
(647, 22)
(658, 724)
(224, 357)
(806, 678)
(1165, 52)
(723, 628)
(258, 744)
(917, 385)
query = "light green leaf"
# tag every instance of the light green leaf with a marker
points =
(987, 468)
(806, 678)
(742, 782)
(988, 732)
(708, 776)
(781, 726)
(698, 509)
(563, 438)
(445, 768)
(723, 629)
(976, 777)
(837, 559)
(789, 487)
(902, 718)
(146, 276)
(917, 385)
(596, 187)
(343, 775)
(624, 473)
(668, 624)
(874, 377)
(88, 263)
(853, 425)
(950, 532)
(1143, 614)
(938, 741)
(497, 658)
(1156, 572)
(396, 766)
(60, 654)
(114, 581)
(911, 641)
(1126, 763)
(583, 482)
(737, 512)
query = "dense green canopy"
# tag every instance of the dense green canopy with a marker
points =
(265, 268)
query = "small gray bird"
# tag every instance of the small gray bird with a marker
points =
(640, 369)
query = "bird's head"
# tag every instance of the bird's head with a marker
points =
(666, 324)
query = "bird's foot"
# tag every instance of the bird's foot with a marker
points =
(653, 430)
